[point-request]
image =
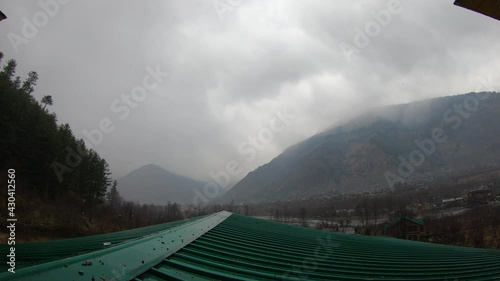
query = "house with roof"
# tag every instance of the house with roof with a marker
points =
(406, 228)
(452, 202)
(479, 197)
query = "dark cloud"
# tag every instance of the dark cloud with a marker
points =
(230, 71)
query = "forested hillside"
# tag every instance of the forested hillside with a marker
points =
(46, 156)
(63, 187)
(413, 143)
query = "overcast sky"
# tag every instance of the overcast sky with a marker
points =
(232, 65)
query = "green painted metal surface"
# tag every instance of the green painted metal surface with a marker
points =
(236, 247)
(29, 254)
(243, 248)
(124, 261)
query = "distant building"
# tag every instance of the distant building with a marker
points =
(452, 202)
(482, 196)
(406, 228)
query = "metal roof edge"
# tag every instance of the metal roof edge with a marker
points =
(484, 7)
(124, 261)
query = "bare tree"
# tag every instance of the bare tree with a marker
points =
(303, 217)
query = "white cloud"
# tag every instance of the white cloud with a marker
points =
(227, 77)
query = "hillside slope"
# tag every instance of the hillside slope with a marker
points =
(366, 151)
(151, 184)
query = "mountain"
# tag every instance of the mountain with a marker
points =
(415, 142)
(151, 184)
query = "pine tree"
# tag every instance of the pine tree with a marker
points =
(113, 197)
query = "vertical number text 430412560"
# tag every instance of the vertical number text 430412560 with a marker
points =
(11, 204)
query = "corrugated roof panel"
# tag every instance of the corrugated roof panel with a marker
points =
(124, 261)
(32, 253)
(243, 248)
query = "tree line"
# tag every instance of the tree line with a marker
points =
(63, 187)
(32, 142)
(369, 213)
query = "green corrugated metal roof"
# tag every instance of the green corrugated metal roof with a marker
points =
(32, 253)
(123, 261)
(227, 246)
